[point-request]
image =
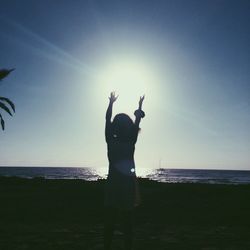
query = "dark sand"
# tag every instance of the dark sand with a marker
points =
(68, 214)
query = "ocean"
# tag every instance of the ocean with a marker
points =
(161, 175)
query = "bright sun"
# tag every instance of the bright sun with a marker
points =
(130, 80)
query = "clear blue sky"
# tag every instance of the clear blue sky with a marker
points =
(190, 58)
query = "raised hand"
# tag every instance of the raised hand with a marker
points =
(112, 97)
(139, 113)
(141, 101)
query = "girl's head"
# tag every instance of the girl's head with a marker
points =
(123, 127)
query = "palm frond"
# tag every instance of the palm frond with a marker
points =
(4, 107)
(9, 102)
(2, 122)
(4, 73)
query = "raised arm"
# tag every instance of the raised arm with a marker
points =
(108, 132)
(139, 113)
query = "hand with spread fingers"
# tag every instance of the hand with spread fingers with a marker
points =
(112, 97)
(141, 101)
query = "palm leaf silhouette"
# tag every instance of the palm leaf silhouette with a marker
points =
(4, 73)
(4, 100)
(2, 122)
(4, 107)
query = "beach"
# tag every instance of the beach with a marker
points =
(68, 214)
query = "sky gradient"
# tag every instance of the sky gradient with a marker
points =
(190, 59)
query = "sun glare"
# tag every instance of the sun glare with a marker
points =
(129, 80)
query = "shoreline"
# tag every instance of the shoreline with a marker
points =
(141, 179)
(65, 214)
(160, 175)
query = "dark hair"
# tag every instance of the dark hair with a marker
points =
(123, 127)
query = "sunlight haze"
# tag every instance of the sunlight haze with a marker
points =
(191, 61)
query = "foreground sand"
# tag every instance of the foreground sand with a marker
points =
(68, 214)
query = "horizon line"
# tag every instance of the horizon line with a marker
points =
(174, 168)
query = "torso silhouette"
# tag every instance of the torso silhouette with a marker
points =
(120, 190)
(121, 157)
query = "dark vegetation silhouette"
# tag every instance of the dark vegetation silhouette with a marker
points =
(5, 103)
(121, 193)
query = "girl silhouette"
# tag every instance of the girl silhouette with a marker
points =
(121, 194)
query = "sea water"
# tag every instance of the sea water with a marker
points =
(161, 175)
